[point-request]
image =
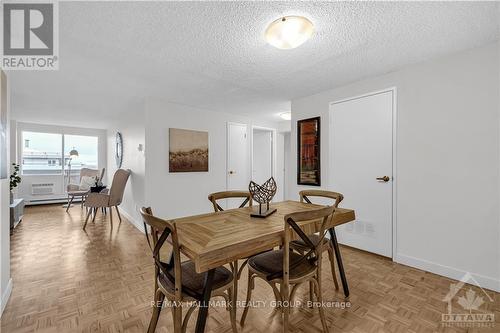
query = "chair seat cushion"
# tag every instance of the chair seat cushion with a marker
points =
(195, 281)
(301, 244)
(272, 262)
(86, 183)
(78, 192)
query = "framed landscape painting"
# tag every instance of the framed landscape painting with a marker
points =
(188, 150)
(308, 152)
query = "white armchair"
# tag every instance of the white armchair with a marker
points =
(74, 190)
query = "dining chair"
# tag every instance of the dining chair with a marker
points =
(178, 281)
(300, 246)
(286, 268)
(79, 190)
(214, 197)
(247, 199)
(111, 198)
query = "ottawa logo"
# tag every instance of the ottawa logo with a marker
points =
(472, 307)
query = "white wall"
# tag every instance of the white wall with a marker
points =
(5, 279)
(180, 194)
(24, 189)
(280, 166)
(288, 153)
(12, 141)
(262, 156)
(132, 127)
(447, 160)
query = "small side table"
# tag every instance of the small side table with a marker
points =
(97, 189)
(16, 213)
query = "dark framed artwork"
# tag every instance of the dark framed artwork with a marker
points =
(188, 150)
(308, 152)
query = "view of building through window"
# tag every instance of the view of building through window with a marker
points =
(43, 153)
(86, 146)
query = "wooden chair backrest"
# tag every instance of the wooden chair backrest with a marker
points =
(165, 229)
(245, 195)
(305, 194)
(292, 226)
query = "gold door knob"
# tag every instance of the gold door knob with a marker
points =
(384, 179)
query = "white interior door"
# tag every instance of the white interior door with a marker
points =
(262, 163)
(287, 149)
(280, 167)
(237, 157)
(361, 153)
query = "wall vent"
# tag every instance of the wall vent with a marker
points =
(42, 188)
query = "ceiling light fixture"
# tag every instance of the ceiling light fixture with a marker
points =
(289, 32)
(286, 115)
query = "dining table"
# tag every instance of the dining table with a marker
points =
(215, 239)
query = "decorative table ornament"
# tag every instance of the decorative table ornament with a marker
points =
(263, 194)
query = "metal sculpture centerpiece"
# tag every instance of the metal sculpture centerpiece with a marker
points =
(263, 194)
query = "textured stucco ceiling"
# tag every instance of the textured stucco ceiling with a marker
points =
(212, 54)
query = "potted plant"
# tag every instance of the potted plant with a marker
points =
(14, 180)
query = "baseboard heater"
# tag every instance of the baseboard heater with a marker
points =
(50, 201)
(46, 189)
(42, 188)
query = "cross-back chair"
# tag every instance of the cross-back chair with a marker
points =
(299, 246)
(286, 268)
(246, 199)
(214, 197)
(178, 281)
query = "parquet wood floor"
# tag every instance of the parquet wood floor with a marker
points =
(69, 280)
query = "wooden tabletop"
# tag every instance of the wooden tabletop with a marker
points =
(215, 239)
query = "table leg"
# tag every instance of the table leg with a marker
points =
(204, 304)
(340, 265)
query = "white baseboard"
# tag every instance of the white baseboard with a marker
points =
(5, 297)
(50, 201)
(485, 282)
(138, 224)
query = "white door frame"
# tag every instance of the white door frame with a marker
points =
(228, 124)
(273, 149)
(394, 153)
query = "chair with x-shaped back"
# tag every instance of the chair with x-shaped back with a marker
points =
(247, 199)
(178, 281)
(299, 245)
(214, 197)
(287, 268)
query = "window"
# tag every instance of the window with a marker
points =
(42, 154)
(86, 147)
